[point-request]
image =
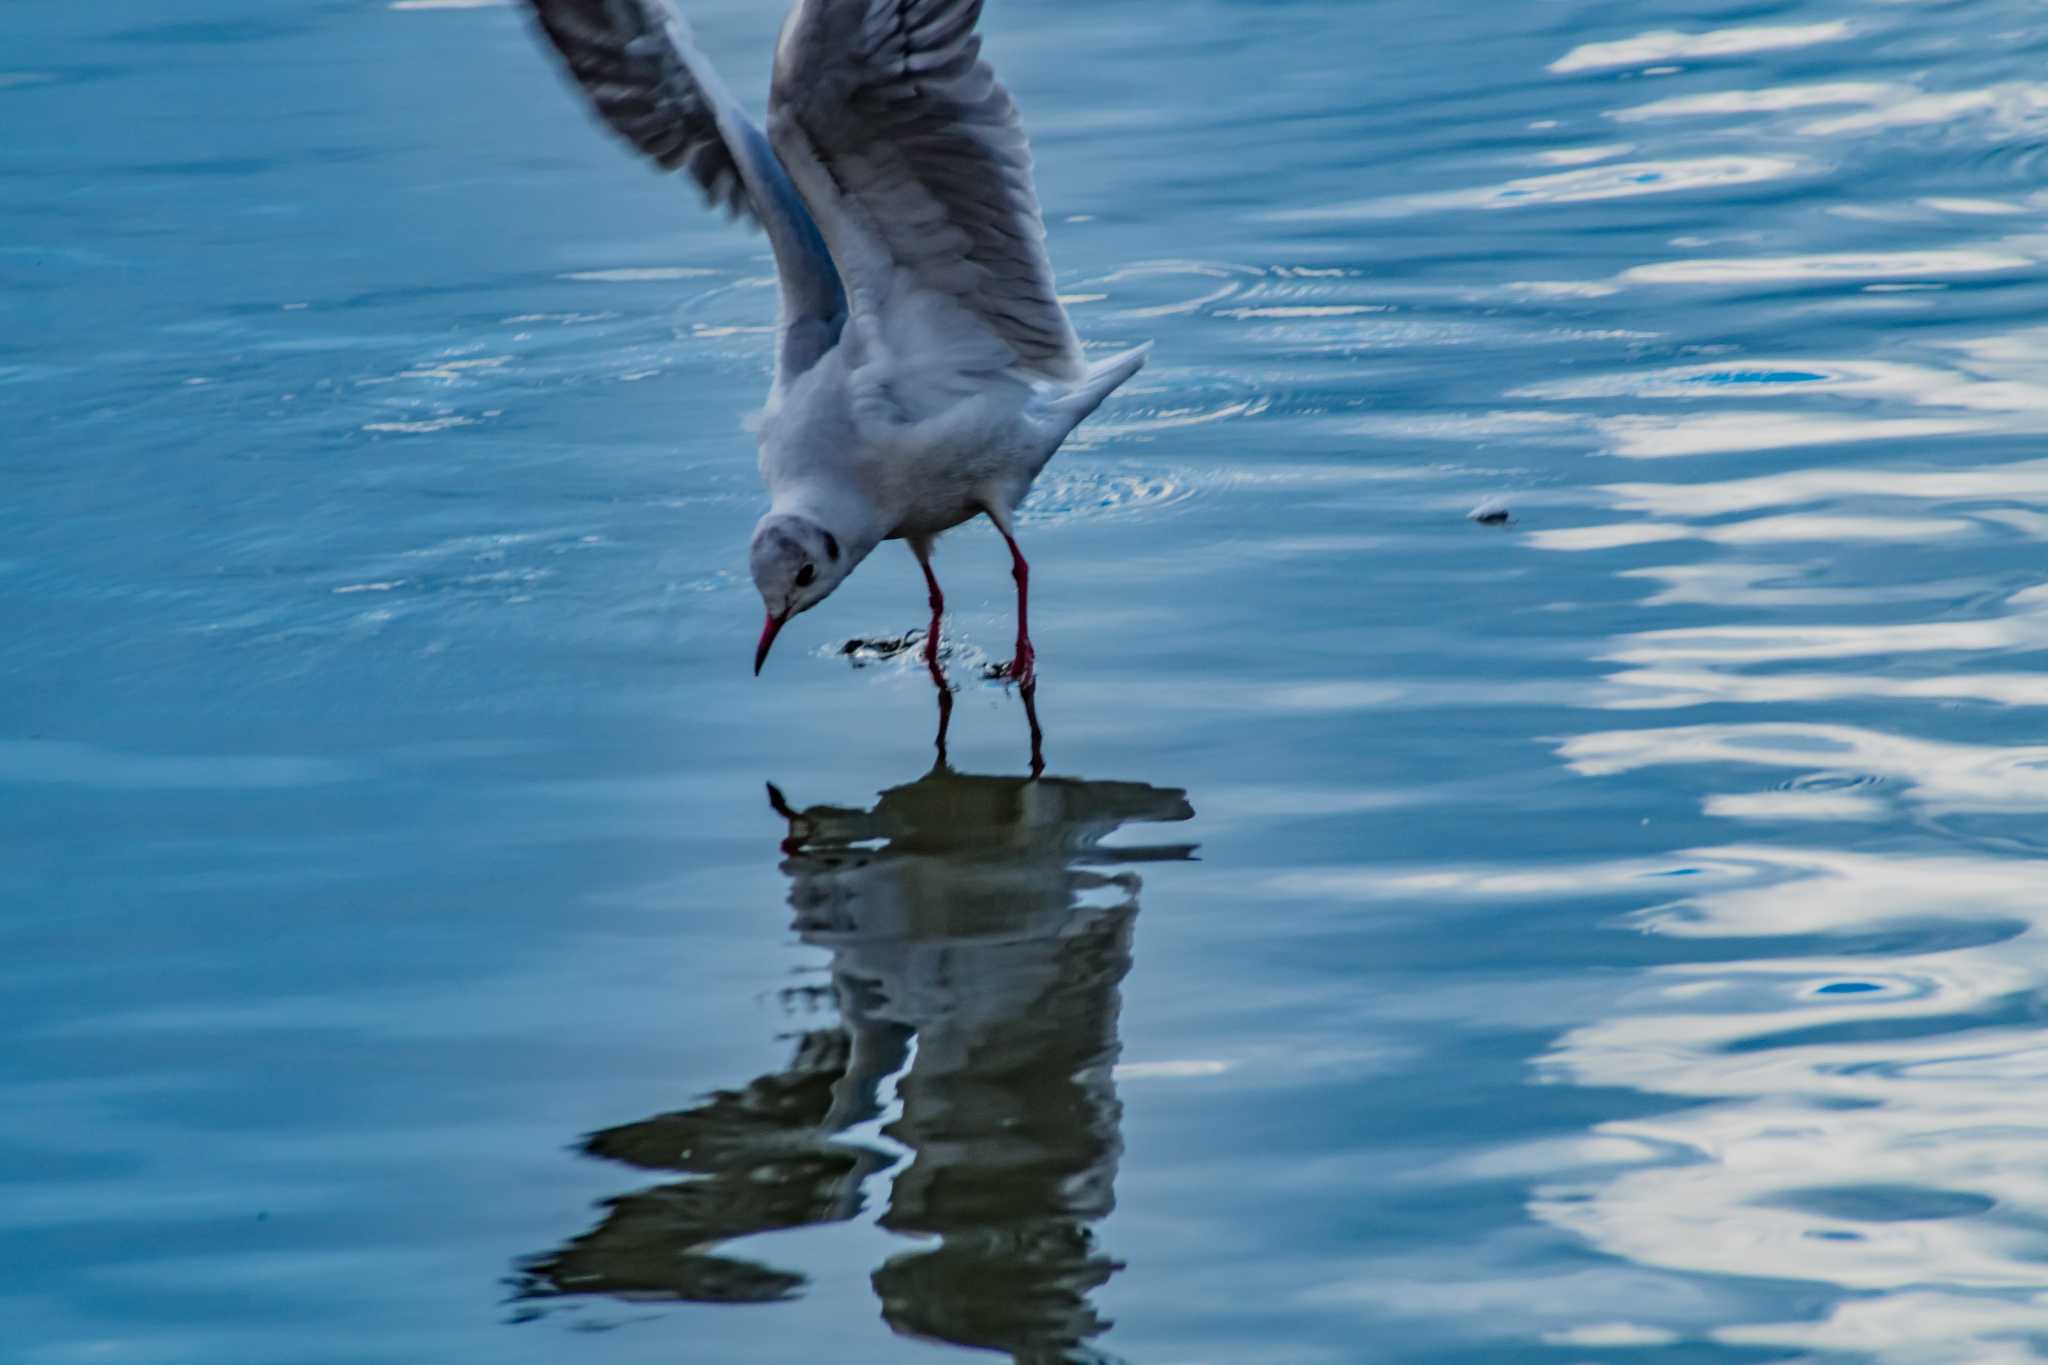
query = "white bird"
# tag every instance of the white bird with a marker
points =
(927, 369)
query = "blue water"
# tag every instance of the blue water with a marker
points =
(1616, 935)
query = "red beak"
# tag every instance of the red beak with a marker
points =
(768, 634)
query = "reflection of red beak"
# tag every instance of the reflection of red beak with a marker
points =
(768, 634)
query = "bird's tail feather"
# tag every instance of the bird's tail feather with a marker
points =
(1102, 380)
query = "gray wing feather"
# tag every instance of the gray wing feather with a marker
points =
(922, 150)
(642, 86)
(639, 68)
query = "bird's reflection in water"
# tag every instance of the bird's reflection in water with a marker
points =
(979, 930)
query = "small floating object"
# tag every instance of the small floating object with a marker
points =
(1492, 512)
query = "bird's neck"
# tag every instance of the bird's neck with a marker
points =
(845, 511)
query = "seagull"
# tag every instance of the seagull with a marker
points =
(926, 369)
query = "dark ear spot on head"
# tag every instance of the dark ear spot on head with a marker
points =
(832, 546)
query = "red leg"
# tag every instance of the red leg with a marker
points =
(1023, 668)
(938, 604)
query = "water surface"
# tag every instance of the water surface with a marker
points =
(1610, 936)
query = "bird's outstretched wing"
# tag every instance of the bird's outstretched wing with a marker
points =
(640, 68)
(912, 159)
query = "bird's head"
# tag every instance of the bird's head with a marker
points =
(796, 563)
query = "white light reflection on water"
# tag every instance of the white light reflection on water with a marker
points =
(1852, 1104)
(1760, 664)
(1940, 776)
(1664, 45)
(1844, 265)
(1624, 180)
(2003, 110)
(1996, 384)
(1865, 1121)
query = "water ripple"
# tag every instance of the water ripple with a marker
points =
(1071, 490)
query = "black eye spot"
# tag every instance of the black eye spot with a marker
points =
(832, 546)
(807, 575)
